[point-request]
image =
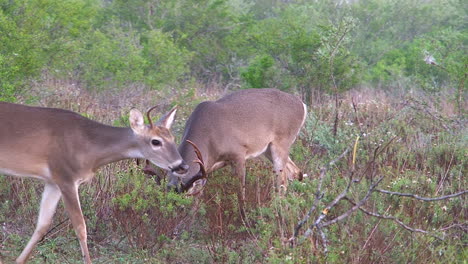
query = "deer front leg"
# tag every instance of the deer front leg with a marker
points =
(281, 177)
(239, 169)
(72, 205)
(278, 154)
(50, 198)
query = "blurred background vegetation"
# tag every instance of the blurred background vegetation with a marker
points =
(299, 46)
(390, 71)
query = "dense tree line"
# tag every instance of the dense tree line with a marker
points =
(304, 46)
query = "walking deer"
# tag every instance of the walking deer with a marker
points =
(240, 126)
(64, 149)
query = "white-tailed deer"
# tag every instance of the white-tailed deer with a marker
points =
(64, 149)
(239, 126)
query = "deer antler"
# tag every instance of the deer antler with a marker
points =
(149, 117)
(196, 184)
(199, 159)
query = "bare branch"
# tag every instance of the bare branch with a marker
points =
(371, 235)
(318, 222)
(463, 227)
(324, 170)
(398, 221)
(427, 199)
(441, 183)
(420, 106)
(304, 220)
(318, 194)
(52, 230)
(324, 240)
(377, 152)
(325, 211)
(356, 206)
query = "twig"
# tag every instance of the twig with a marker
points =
(324, 239)
(445, 175)
(390, 243)
(427, 199)
(52, 230)
(356, 206)
(318, 225)
(331, 63)
(371, 235)
(420, 107)
(398, 221)
(377, 152)
(318, 194)
(464, 227)
(354, 152)
(325, 211)
(304, 220)
(323, 170)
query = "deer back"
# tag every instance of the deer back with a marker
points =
(242, 123)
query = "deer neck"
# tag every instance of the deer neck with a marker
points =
(113, 144)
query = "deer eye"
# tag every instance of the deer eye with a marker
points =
(156, 142)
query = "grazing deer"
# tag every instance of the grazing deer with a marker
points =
(64, 149)
(240, 126)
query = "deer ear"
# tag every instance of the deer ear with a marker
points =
(137, 122)
(167, 120)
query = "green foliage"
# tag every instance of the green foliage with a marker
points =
(318, 132)
(120, 58)
(19, 56)
(298, 46)
(56, 25)
(258, 72)
(395, 49)
(111, 59)
(165, 62)
(142, 195)
(310, 54)
(409, 61)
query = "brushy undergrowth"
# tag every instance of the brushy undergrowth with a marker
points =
(421, 146)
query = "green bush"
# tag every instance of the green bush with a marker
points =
(258, 74)
(111, 58)
(145, 211)
(165, 62)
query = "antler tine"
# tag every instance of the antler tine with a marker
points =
(149, 117)
(199, 159)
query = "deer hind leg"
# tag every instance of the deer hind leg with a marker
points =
(73, 207)
(50, 198)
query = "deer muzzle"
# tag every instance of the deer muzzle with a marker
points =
(180, 169)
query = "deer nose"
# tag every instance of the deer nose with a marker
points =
(181, 169)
